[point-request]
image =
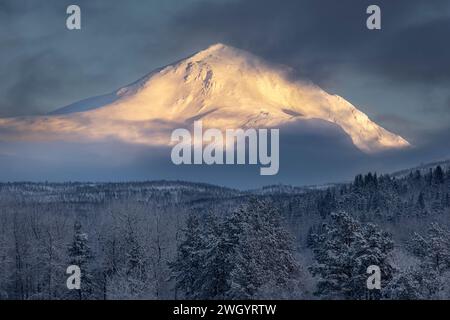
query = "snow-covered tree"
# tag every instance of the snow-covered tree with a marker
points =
(187, 269)
(235, 257)
(215, 257)
(428, 279)
(263, 252)
(343, 253)
(134, 271)
(433, 249)
(413, 283)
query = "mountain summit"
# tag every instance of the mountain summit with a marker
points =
(223, 86)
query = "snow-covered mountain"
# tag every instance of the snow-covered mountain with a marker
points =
(222, 86)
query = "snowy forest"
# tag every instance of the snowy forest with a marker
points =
(180, 240)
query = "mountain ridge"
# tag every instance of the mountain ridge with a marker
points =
(223, 86)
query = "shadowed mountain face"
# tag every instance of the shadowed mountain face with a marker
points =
(126, 134)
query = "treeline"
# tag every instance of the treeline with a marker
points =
(83, 192)
(163, 241)
(375, 197)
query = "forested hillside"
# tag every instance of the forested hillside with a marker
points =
(166, 240)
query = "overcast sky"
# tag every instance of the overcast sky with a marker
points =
(399, 76)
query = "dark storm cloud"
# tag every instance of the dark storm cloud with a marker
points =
(418, 53)
(33, 83)
(36, 70)
(318, 35)
(120, 41)
(45, 66)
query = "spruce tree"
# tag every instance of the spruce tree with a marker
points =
(135, 265)
(187, 269)
(438, 175)
(421, 201)
(215, 257)
(343, 253)
(262, 251)
(414, 283)
(233, 258)
(433, 248)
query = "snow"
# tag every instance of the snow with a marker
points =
(87, 104)
(223, 86)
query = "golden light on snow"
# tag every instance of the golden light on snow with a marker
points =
(224, 87)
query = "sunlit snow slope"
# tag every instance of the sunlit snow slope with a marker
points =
(223, 86)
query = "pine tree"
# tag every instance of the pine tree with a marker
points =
(421, 201)
(413, 283)
(326, 204)
(345, 250)
(235, 257)
(438, 175)
(188, 267)
(433, 248)
(262, 251)
(429, 177)
(215, 257)
(135, 265)
(311, 237)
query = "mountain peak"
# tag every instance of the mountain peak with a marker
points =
(224, 87)
(220, 51)
(216, 47)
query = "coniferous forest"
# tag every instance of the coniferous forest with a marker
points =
(179, 240)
